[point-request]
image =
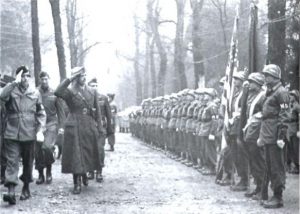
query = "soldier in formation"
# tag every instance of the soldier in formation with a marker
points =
(190, 126)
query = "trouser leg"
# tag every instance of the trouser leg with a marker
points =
(111, 139)
(101, 152)
(27, 155)
(12, 149)
(276, 168)
(211, 154)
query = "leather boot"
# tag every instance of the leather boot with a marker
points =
(91, 175)
(10, 197)
(49, 174)
(85, 180)
(112, 148)
(273, 203)
(41, 178)
(77, 184)
(25, 192)
(99, 177)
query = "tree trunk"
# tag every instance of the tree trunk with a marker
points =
(136, 63)
(276, 35)
(152, 70)
(35, 41)
(58, 38)
(71, 24)
(199, 72)
(161, 51)
(180, 82)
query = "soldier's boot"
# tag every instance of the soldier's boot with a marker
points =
(91, 175)
(2, 179)
(10, 197)
(99, 177)
(41, 178)
(77, 184)
(241, 186)
(255, 192)
(112, 148)
(185, 161)
(85, 180)
(25, 194)
(276, 201)
(180, 157)
(49, 174)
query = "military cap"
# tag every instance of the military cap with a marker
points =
(77, 70)
(257, 78)
(211, 92)
(239, 75)
(43, 74)
(191, 93)
(173, 96)
(167, 97)
(111, 95)
(22, 69)
(272, 70)
(93, 80)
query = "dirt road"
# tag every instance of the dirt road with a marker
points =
(138, 179)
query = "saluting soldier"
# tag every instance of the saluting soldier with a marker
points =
(272, 132)
(106, 123)
(55, 117)
(111, 138)
(26, 119)
(83, 128)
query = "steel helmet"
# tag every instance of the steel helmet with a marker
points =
(272, 70)
(257, 78)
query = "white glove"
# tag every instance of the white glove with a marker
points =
(40, 136)
(177, 129)
(259, 143)
(298, 134)
(211, 137)
(18, 77)
(280, 144)
(61, 131)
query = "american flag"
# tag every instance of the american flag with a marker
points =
(232, 67)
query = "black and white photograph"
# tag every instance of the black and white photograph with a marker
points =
(149, 106)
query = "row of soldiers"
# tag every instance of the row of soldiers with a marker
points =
(261, 124)
(74, 116)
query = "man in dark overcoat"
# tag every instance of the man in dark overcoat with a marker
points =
(82, 127)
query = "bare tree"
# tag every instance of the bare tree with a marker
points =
(58, 38)
(35, 40)
(152, 70)
(161, 50)
(136, 61)
(199, 72)
(180, 81)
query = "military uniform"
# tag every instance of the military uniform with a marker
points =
(112, 138)
(55, 118)
(25, 118)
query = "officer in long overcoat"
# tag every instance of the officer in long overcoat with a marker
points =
(82, 127)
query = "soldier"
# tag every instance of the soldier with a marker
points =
(172, 126)
(207, 132)
(111, 138)
(26, 119)
(255, 99)
(293, 123)
(106, 123)
(272, 132)
(55, 117)
(190, 131)
(238, 154)
(83, 128)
